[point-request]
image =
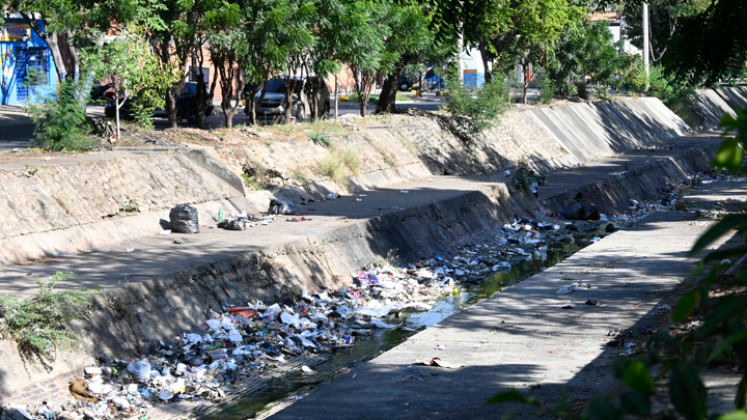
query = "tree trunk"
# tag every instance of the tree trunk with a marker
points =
(527, 80)
(315, 100)
(363, 102)
(337, 94)
(227, 86)
(288, 108)
(171, 97)
(228, 110)
(74, 54)
(388, 97)
(116, 111)
(202, 97)
(485, 61)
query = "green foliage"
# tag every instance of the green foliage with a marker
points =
(524, 176)
(664, 16)
(354, 97)
(320, 139)
(363, 44)
(473, 111)
(708, 42)
(60, 121)
(39, 324)
(547, 89)
(720, 333)
(252, 182)
(129, 61)
(341, 163)
(586, 56)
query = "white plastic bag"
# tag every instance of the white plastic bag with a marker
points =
(141, 370)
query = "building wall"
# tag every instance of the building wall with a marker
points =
(22, 53)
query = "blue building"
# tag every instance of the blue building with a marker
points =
(23, 53)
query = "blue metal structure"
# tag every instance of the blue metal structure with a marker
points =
(23, 53)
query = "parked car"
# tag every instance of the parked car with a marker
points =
(271, 108)
(406, 84)
(103, 92)
(186, 106)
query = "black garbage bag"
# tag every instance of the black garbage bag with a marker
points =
(591, 212)
(184, 219)
(282, 207)
(573, 211)
(238, 224)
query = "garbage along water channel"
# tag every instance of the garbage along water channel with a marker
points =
(345, 359)
(337, 329)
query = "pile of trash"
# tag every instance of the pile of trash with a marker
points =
(240, 343)
(243, 342)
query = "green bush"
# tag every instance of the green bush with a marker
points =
(60, 122)
(473, 111)
(547, 89)
(353, 97)
(677, 95)
(39, 324)
(320, 139)
(524, 176)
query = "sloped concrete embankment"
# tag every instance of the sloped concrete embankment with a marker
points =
(132, 319)
(712, 104)
(128, 319)
(70, 208)
(403, 147)
(51, 209)
(615, 192)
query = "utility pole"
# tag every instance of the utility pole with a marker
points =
(646, 53)
(460, 58)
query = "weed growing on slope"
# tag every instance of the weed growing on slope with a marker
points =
(39, 323)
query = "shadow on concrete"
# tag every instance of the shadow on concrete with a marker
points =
(378, 391)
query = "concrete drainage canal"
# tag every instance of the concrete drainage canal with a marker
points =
(252, 361)
(522, 250)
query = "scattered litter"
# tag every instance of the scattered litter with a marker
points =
(307, 370)
(438, 363)
(572, 288)
(412, 374)
(282, 207)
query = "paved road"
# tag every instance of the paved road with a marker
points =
(521, 337)
(11, 138)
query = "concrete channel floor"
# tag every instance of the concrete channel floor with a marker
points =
(521, 338)
(158, 256)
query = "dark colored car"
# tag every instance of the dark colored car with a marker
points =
(103, 92)
(186, 106)
(406, 84)
(271, 108)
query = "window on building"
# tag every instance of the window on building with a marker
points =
(39, 62)
(22, 91)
